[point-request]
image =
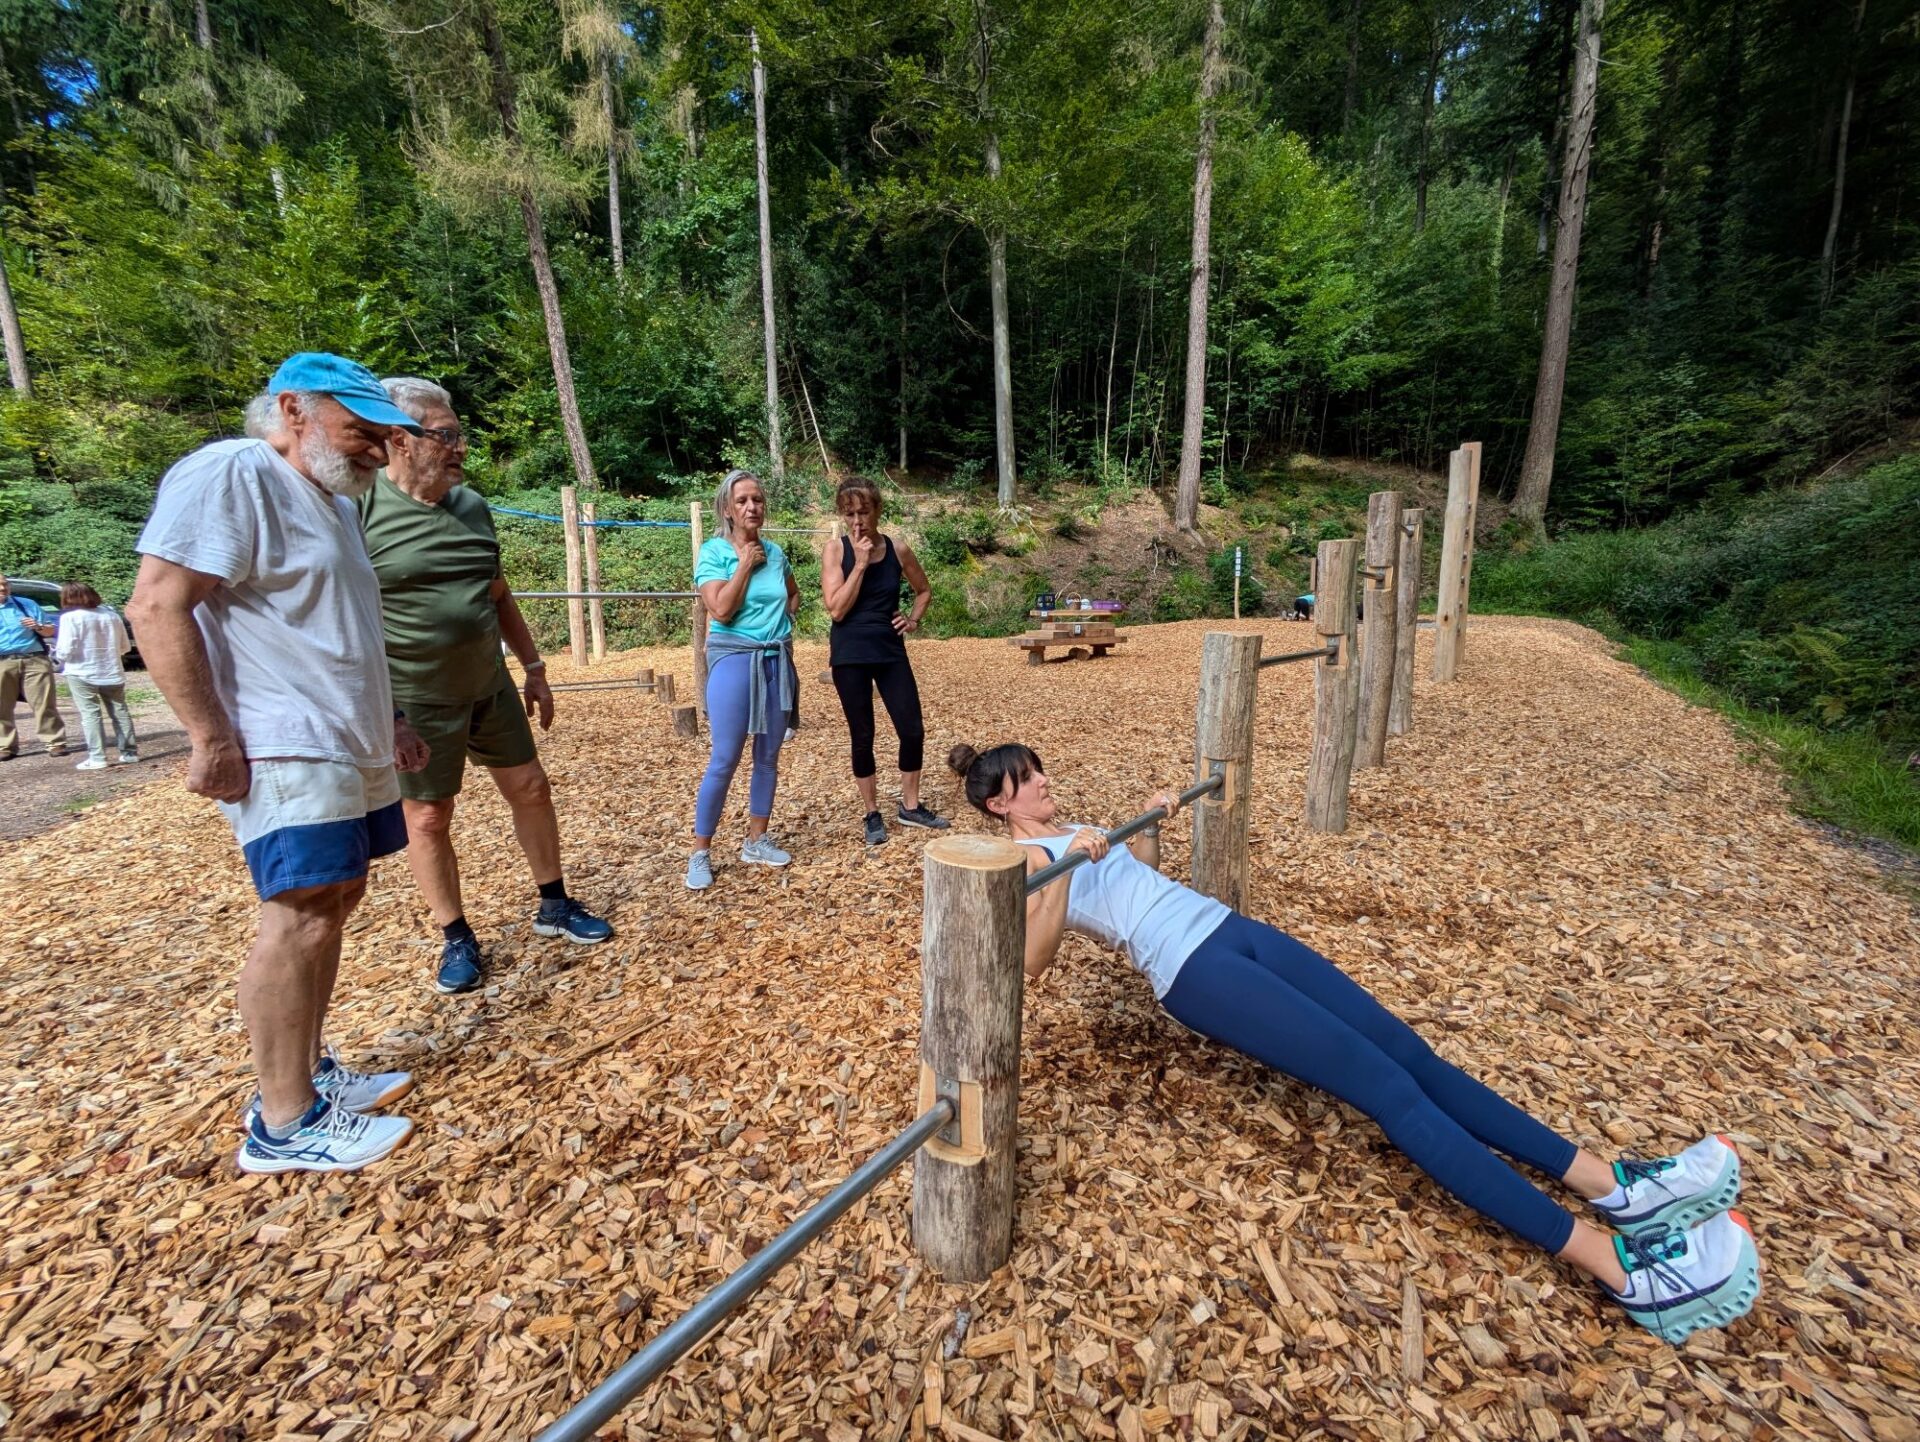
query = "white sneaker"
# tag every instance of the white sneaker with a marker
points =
(90, 764)
(1677, 1192)
(762, 852)
(328, 1139)
(699, 871)
(1679, 1283)
(359, 1091)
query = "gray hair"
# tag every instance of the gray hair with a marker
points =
(414, 395)
(722, 522)
(263, 416)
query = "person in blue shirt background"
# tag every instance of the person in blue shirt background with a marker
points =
(752, 687)
(25, 671)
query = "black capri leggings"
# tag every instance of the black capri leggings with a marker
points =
(902, 697)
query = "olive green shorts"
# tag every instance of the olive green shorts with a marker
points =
(494, 732)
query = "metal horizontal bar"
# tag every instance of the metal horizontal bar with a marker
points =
(597, 525)
(606, 595)
(1121, 833)
(795, 531)
(1331, 649)
(604, 1402)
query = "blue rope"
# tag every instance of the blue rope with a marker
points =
(598, 525)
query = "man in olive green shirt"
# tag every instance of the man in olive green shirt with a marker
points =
(446, 609)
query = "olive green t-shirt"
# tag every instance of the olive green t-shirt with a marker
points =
(436, 566)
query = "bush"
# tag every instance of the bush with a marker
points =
(941, 543)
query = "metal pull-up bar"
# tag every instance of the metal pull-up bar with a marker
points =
(1122, 833)
(1332, 648)
(604, 1402)
(606, 595)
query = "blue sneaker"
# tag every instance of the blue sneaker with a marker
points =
(570, 919)
(459, 967)
(1677, 1192)
(329, 1138)
(1679, 1283)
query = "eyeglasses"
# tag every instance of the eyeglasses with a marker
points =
(452, 437)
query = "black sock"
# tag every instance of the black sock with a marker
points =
(458, 930)
(554, 890)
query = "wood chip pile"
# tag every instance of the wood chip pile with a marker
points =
(1567, 879)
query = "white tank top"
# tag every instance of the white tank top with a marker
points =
(1129, 906)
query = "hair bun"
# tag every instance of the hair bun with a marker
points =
(961, 759)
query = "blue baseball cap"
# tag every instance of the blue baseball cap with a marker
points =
(348, 382)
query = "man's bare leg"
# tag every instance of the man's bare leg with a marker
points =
(297, 945)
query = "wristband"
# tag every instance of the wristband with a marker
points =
(1152, 833)
(533, 665)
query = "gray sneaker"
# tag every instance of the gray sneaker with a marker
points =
(876, 829)
(699, 871)
(762, 852)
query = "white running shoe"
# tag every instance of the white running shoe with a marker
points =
(1679, 1283)
(762, 852)
(359, 1091)
(700, 870)
(1677, 1192)
(329, 1139)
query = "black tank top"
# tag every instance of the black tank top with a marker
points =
(866, 637)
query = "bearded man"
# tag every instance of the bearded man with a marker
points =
(259, 618)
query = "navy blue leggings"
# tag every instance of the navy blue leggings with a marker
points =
(1261, 992)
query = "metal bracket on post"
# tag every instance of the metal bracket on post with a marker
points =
(963, 1139)
(948, 1090)
(1332, 661)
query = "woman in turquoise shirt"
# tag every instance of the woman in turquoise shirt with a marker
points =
(752, 687)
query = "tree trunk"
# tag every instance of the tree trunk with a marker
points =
(1353, 66)
(1536, 472)
(766, 257)
(1186, 505)
(903, 380)
(1426, 131)
(17, 374)
(997, 285)
(613, 171)
(202, 25)
(1500, 224)
(1840, 159)
(1551, 142)
(508, 107)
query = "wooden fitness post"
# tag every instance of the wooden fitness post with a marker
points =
(596, 610)
(1223, 739)
(576, 610)
(973, 944)
(1453, 542)
(1472, 448)
(1382, 626)
(699, 612)
(1336, 689)
(1412, 538)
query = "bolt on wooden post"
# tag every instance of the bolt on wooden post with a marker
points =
(1382, 626)
(1407, 625)
(973, 946)
(576, 611)
(1336, 689)
(596, 609)
(1453, 542)
(699, 613)
(1223, 739)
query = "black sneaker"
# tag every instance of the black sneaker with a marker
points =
(923, 818)
(876, 828)
(459, 967)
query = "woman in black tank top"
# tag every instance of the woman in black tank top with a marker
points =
(868, 649)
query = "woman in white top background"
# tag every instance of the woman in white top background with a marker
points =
(1677, 1259)
(88, 645)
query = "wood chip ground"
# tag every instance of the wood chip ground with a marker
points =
(1567, 878)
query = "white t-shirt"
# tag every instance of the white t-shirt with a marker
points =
(1129, 906)
(90, 644)
(294, 637)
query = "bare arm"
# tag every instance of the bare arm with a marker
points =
(723, 599)
(838, 592)
(916, 576)
(1046, 919)
(793, 594)
(1145, 845)
(513, 630)
(164, 598)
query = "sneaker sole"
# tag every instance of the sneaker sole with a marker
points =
(273, 1166)
(1685, 1213)
(459, 990)
(922, 825)
(1726, 1303)
(542, 930)
(756, 861)
(699, 886)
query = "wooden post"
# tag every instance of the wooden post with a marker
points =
(1453, 540)
(1381, 622)
(1236, 583)
(596, 610)
(663, 689)
(576, 611)
(699, 612)
(1472, 448)
(1223, 739)
(973, 942)
(686, 721)
(1407, 624)
(1336, 690)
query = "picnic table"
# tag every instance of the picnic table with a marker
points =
(1092, 631)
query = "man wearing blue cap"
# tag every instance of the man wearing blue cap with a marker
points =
(259, 618)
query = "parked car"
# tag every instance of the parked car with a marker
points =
(47, 593)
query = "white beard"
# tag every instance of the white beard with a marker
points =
(335, 473)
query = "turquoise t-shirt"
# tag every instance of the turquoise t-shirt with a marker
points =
(763, 614)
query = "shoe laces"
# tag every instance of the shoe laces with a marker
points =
(343, 1124)
(1654, 1253)
(1635, 1170)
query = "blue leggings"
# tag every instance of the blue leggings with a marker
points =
(727, 687)
(1261, 992)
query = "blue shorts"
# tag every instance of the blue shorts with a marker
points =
(315, 823)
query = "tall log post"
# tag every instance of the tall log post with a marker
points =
(973, 943)
(1407, 623)
(576, 610)
(1453, 542)
(1336, 689)
(699, 612)
(596, 610)
(1223, 740)
(1382, 626)
(1472, 448)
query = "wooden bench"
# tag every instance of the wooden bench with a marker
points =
(1093, 633)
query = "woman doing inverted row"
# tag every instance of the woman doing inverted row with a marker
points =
(1677, 1259)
